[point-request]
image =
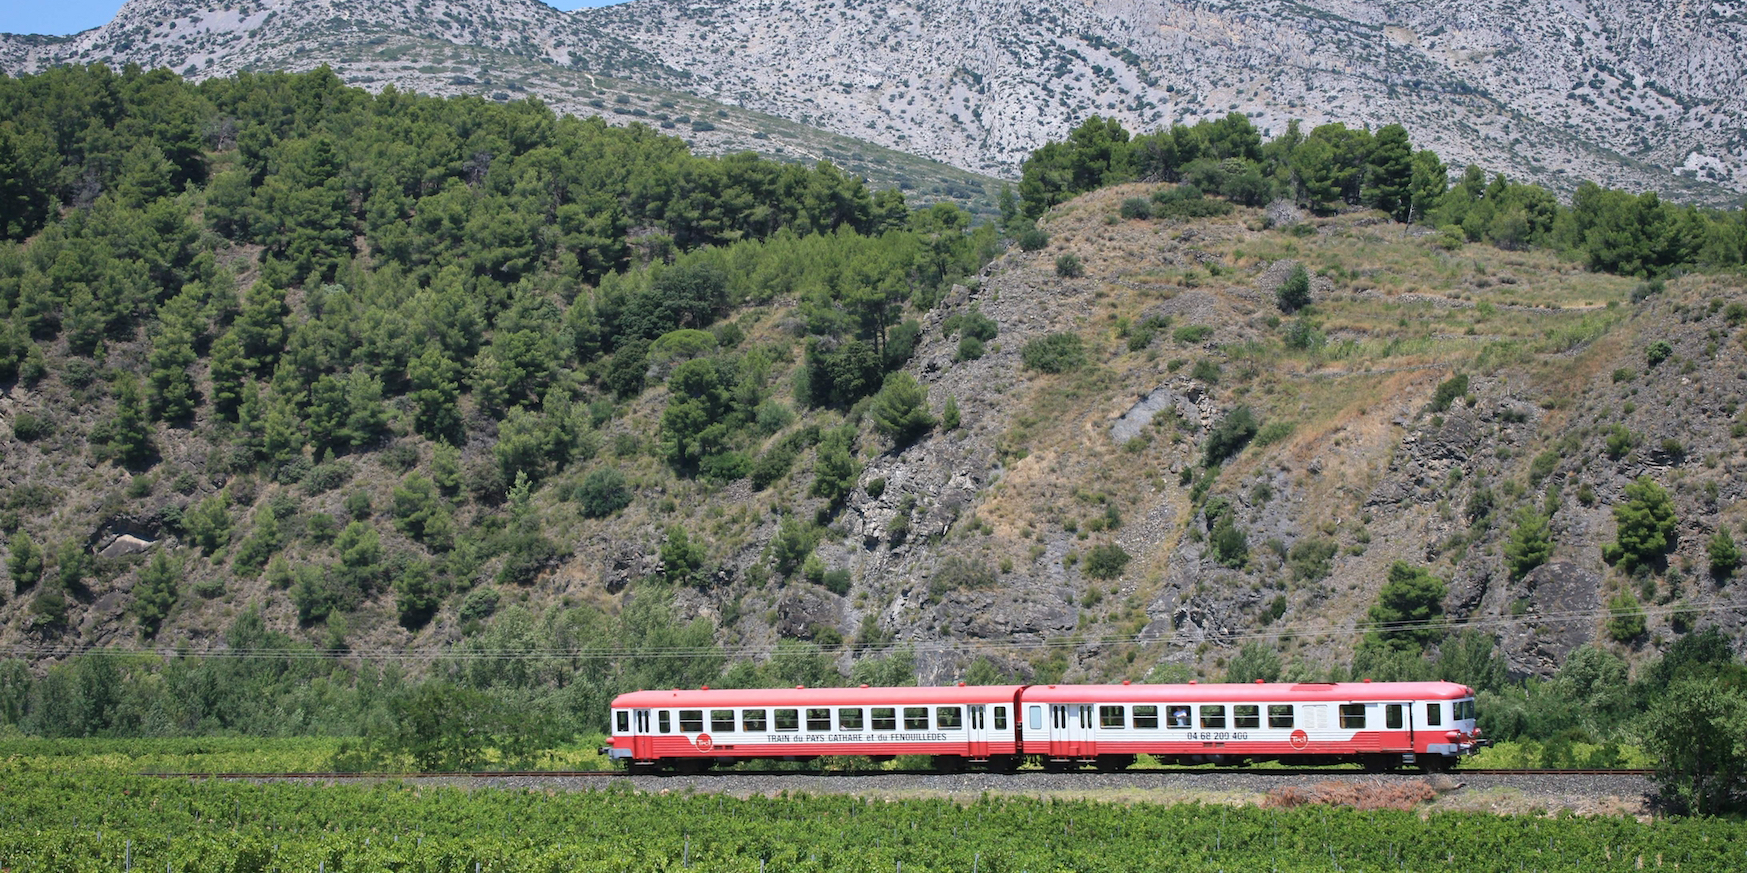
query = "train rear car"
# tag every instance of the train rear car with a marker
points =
(1379, 724)
(696, 729)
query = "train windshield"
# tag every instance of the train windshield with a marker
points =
(1464, 709)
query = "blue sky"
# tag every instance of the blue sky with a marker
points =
(71, 16)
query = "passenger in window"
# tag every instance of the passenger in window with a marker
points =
(1179, 716)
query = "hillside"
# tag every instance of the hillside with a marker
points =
(1637, 94)
(1630, 93)
(500, 50)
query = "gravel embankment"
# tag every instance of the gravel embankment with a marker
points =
(1584, 795)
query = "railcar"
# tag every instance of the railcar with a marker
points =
(1381, 725)
(695, 729)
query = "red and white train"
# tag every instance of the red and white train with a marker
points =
(1382, 725)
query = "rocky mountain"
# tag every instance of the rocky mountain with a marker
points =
(1629, 93)
(501, 49)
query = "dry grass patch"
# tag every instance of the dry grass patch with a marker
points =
(1365, 796)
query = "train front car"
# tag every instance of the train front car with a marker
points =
(1382, 725)
(695, 729)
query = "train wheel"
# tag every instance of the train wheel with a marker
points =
(948, 763)
(1003, 763)
(641, 768)
(1377, 763)
(1433, 764)
(1112, 763)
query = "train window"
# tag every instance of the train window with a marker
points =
(1279, 715)
(624, 721)
(1037, 718)
(1179, 717)
(1213, 716)
(885, 718)
(818, 719)
(1353, 716)
(1435, 714)
(1246, 715)
(948, 718)
(1000, 718)
(1112, 717)
(849, 719)
(915, 718)
(1086, 718)
(1392, 716)
(1146, 718)
(1464, 710)
(722, 720)
(691, 721)
(787, 719)
(662, 719)
(752, 721)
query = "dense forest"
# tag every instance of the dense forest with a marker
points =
(351, 350)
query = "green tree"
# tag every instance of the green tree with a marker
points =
(1229, 436)
(900, 410)
(1724, 554)
(1471, 658)
(1294, 293)
(156, 592)
(1625, 617)
(681, 559)
(1106, 561)
(1389, 172)
(1531, 543)
(24, 562)
(1646, 525)
(1694, 732)
(208, 524)
(421, 512)
(1407, 610)
(835, 470)
(1256, 661)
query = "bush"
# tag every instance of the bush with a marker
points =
(1054, 353)
(1294, 293)
(1229, 436)
(1273, 432)
(1106, 561)
(1646, 525)
(1229, 544)
(1206, 370)
(1448, 390)
(1190, 334)
(1625, 617)
(969, 349)
(1137, 208)
(1312, 558)
(1657, 352)
(1530, 545)
(603, 492)
(1694, 731)
(1724, 554)
(1032, 240)
(959, 574)
(1256, 661)
(1620, 441)
(28, 427)
(900, 410)
(1068, 266)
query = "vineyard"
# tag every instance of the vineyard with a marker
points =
(107, 822)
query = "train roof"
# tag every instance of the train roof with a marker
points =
(1274, 692)
(862, 696)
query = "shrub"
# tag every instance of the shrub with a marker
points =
(1230, 545)
(1273, 432)
(1657, 352)
(972, 323)
(1531, 543)
(1448, 390)
(1206, 370)
(1294, 293)
(1625, 617)
(603, 492)
(1190, 334)
(900, 410)
(1312, 559)
(1137, 208)
(1302, 335)
(958, 574)
(1068, 266)
(1646, 525)
(1229, 436)
(1620, 441)
(28, 427)
(1106, 561)
(1032, 240)
(1724, 554)
(1054, 353)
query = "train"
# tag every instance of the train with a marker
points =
(1380, 725)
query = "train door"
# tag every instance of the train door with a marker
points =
(1071, 730)
(977, 731)
(1398, 727)
(642, 744)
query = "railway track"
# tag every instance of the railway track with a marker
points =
(729, 774)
